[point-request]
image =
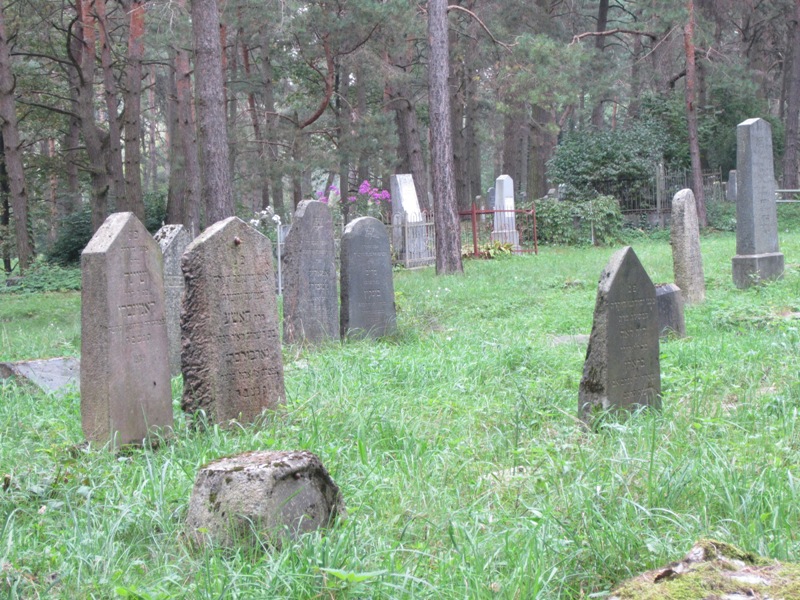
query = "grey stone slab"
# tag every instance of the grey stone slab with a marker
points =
(367, 289)
(490, 198)
(756, 212)
(231, 351)
(173, 240)
(730, 190)
(125, 382)
(57, 376)
(409, 235)
(687, 260)
(505, 220)
(310, 298)
(669, 300)
(622, 369)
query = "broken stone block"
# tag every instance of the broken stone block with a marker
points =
(261, 498)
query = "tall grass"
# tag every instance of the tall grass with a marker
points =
(455, 443)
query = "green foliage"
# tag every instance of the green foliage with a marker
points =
(495, 249)
(76, 229)
(44, 277)
(587, 160)
(570, 222)
(721, 215)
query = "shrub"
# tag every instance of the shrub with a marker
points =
(570, 222)
(43, 277)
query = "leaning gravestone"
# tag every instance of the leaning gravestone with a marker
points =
(367, 289)
(125, 384)
(310, 301)
(505, 221)
(622, 367)
(687, 262)
(757, 255)
(231, 358)
(173, 239)
(261, 498)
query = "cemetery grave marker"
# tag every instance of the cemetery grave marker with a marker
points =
(173, 239)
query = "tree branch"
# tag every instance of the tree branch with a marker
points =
(482, 24)
(580, 36)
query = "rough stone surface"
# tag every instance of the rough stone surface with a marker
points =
(622, 367)
(367, 289)
(259, 498)
(310, 299)
(715, 570)
(730, 190)
(757, 254)
(687, 261)
(53, 375)
(173, 239)
(231, 350)
(505, 220)
(669, 300)
(125, 383)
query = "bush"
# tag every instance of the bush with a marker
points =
(43, 277)
(570, 222)
(721, 215)
(76, 229)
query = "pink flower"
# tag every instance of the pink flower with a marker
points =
(364, 188)
(351, 198)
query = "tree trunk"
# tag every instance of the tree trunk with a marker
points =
(72, 198)
(176, 191)
(448, 243)
(790, 179)
(232, 105)
(151, 126)
(543, 143)
(600, 45)
(52, 230)
(12, 154)
(272, 150)
(691, 118)
(216, 192)
(5, 217)
(132, 114)
(344, 115)
(409, 135)
(113, 154)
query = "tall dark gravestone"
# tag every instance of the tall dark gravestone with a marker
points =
(310, 300)
(757, 254)
(231, 350)
(173, 239)
(622, 367)
(125, 383)
(367, 289)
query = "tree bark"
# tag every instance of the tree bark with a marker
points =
(691, 117)
(790, 179)
(272, 150)
(600, 45)
(132, 114)
(12, 154)
(216, 192)
(448, 243)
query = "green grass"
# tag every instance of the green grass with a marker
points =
(421, 432)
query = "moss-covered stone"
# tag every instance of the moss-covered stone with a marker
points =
(715, 570)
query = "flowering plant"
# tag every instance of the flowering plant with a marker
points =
(370, 201)
(267, 222)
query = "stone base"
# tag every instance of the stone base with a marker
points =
(750, 269)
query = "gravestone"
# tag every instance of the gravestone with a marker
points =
(669, 300)
(730, 191)
(409, 236)
(490, 198)
(260, 498)
(310, 301)
(173, 239)
(757, 254)
(622, 366)
(687, 261)
(231, 351)
(55, 376)
(367, 289)
(505, 221)
(125, 383)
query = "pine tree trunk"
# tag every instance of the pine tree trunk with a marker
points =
(216, 191)
(273, 167)
(12, 154)
(176, 191)
(448, 243)
(790, 179)
(691, 118)
(133, 109)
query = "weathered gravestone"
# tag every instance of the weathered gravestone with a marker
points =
(505, 220)
(622, 367)
(261, 498)
(310, 301)
(669, 301)
(367, 289)
(687, 261)
(231, 350)
(490, 198)
(730, 190)
(173, 239)
(409, 236)
(56, 376)
(757, 254)
(125, 383)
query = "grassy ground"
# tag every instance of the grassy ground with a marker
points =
(455, 444)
